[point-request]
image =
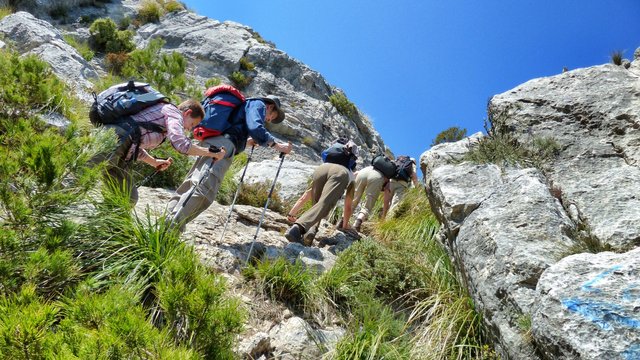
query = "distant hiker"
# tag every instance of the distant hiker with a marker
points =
(406, 171)
(142, 119)
(329, 182)
(371, 181)
(232, 122)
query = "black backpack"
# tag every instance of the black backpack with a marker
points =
(404, 166)
(119, 101)
(116, 104)
(383, 164)
(341, 154)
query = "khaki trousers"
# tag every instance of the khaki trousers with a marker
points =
(204, 195)
(369, 181)
(397, 189)
(329, 183)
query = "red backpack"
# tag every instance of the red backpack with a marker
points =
(220, 105)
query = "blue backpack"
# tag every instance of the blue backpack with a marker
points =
(341, 154)
(220, 105)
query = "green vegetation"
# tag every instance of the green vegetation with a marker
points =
(5, 11)
(343, 105)
(617, 56)
(245, 64)
(212, 82)
(283, 281)
(150, 11)
(83, 48)
(397, 294)
(239, 79)
(451, 134)
(82, 276)
(164, 71)
(228, 186)
(173, 6)
(503, 149)
(255, 194)
(584, 241)
(256, 35)
(106, 38)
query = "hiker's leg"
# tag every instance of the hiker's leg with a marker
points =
(337, 179)
(361, 185)
(375, 181)
(204, 194)
(398, 188)
(117, 170)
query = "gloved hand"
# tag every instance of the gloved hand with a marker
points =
(214, 149)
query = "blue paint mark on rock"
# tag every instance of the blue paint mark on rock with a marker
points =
(588, 286)
(632, 353)
(606, 315)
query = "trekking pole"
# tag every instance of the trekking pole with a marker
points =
(149, 177)
(213, 149)
(236, 195)
(264, 210)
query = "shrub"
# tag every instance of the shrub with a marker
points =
(170, 179)
(164, 71)
(343, 105)
(173, 6)
(113, 324)
(106, 38)
(228, 186)
(451, 134)
(124, 23)
(212, 82)
(245, 64)
(115, 62)
(283, 281)
(239, 79)
(5, 11)
(82, 47)
(195, 308)
(617, 56)
(149, 11)
(256, 194)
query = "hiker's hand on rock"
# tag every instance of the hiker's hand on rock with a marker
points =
(162, 164)
(283, 148)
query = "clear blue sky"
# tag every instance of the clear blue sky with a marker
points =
(419, 67)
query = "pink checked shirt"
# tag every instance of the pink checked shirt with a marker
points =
(170, 118)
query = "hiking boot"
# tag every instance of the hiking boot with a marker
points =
(309, 236)
(357, 225)
(294, 234)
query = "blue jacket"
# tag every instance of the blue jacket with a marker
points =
(250, 121)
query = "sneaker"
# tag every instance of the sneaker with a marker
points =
(294, 234)
(357, 225)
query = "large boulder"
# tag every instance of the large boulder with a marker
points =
(592, 114)
(30, 35)
(589, 307)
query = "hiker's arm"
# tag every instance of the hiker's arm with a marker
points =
(256, 112)
(293, 213)
(414, 178)
(386, 200)
(196, 150)
(159, 164)
(348, 209)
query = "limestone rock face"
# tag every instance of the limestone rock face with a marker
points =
(34, 36)
(593, 115)
(589, 307)
(512, 231)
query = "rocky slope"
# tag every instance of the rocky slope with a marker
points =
(213, 50)
(516, 234)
